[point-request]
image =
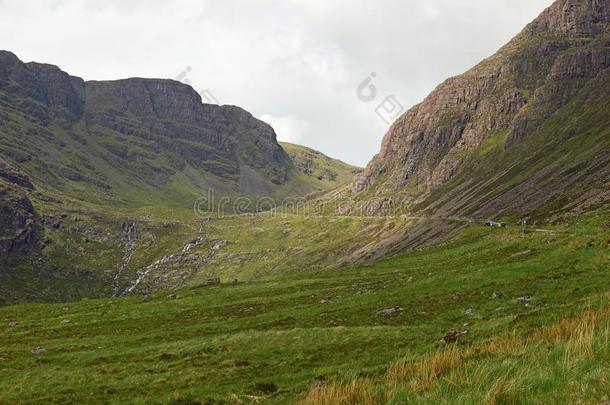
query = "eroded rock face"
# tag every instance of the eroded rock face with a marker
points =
(580, 17)
(19, 223)
(14, 176)
(177, 121)
(19, 231)
(503, 101)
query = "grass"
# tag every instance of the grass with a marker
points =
(301, 336)
(576, 351)
(263, 246)
(422, 375)
(359, 391)
(322, 171)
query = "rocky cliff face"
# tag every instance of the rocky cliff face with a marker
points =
(172, 115)
(19, 223)
(133, 137)
(481, 143)
(19, 231)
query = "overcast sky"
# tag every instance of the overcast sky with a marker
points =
(296, 64)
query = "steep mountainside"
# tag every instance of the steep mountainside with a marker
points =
(135, 140)
(325, 172)
(526, 133)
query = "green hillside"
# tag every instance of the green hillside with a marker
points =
(323, 332)
(325, 172)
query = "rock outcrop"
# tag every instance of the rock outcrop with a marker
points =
(178, 122)
(19, 229)
(19, 223)
(14, 176)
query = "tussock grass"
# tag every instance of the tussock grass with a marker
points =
(577, 333)
(581, 342)
(502, 391)
(356, 392)
(505, 346)
(422, 375)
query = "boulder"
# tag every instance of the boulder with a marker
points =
(496, 295)
(390, 311)
(212, 281)
(453, 336)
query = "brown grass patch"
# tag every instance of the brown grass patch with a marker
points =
(511, 345)
(422, 375)
(578, 333)
(357, 392)
(582, 341)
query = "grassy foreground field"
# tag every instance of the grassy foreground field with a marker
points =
(319, 338)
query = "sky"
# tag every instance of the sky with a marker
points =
(329, 74)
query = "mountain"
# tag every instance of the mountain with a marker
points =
(101, 176)
(95, 181)
(525, 133)
(325, 172)
(98, 179)
(135, 141)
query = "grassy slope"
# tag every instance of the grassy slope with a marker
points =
(272, 339)
(323, 172)
(83, 253)
(263, 246)
(561, 363)
(81, 257)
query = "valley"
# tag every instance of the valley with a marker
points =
(156, 249)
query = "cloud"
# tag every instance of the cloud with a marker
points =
(296, 62)
(288, 128)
